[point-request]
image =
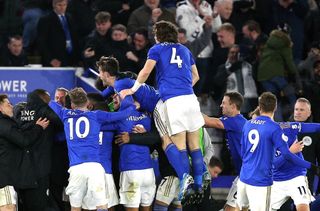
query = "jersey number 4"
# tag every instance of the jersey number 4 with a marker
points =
(75, 128)
(253, 138)
(175, 59)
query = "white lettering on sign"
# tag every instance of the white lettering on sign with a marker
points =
(13, 86)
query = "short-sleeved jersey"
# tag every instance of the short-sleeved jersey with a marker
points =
(174, 69)
(261, 136)
(233, 127)
(284, 170)
(82, 130)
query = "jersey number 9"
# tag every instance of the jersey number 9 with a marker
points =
(254, 138)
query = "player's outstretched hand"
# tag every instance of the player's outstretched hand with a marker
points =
(125, 92)
(122, 138)
(315, 169)
(43, 122)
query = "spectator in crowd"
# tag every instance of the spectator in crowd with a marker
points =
(293, 13)
(83, 11)
(33, 11)
(224, 9)
(13, 142)
(13, 54)
(37, 106)
(251, 30)
(312, 27)
(97, 43)
(236, 76)
(306, 66)
(140, 47)
(120, 10)
(119, 47)
(198, 44)
(148, 14)
(57, 37)
(242, 12)
(226, 37)
(312, 90)
(276, 65)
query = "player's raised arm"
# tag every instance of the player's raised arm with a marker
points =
(142, 77)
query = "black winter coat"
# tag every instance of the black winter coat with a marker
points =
(15, 160)
(27, 117)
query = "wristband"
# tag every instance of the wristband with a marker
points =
(136, 86)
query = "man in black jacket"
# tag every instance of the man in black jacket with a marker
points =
(37, 106)
(14, 159)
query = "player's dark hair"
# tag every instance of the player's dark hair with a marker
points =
(111, 65)
(235, 98)
(166, 32)
(214, 161)
(3, 97)
(267, 102)
(43, 94)
(94, 96)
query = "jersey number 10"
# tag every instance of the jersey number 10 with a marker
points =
(175, 59)
(76, 127)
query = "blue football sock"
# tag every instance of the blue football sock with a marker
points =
(158, 207)
(197, 167)
(174, 157)
(185, 161)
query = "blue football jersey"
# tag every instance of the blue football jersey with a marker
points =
(105, 153)
(261, 137)
(173, 66)
(146, 95)
(132, 156)
(233, 127)
(284, 170)
(82, 130)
